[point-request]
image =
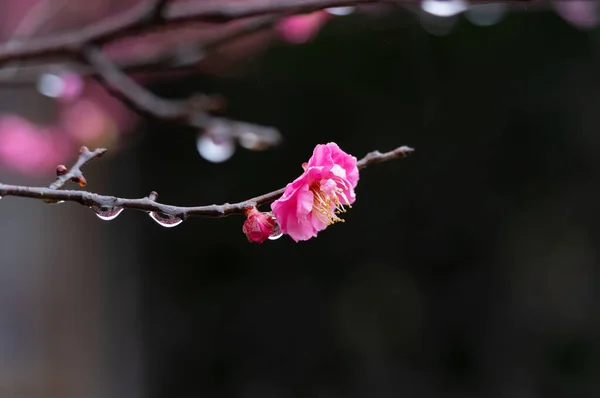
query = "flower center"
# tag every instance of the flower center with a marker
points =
(329, 201)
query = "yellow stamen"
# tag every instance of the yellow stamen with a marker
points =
(326, 206)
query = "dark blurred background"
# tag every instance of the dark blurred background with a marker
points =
(469, 269)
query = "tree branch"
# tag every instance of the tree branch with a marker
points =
(114, 205)
(142, 18)
(178, 58)
(159, 10)
(190, 112)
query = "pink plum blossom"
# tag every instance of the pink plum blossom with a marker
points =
(258, 226)
(95, 118)
(301, 28)
(313, 201)
(86, 122)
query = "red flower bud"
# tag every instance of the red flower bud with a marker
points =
(258, 226)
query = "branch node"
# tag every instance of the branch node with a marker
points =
(75, 174)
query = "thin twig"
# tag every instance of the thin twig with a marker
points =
(75, 174)
(149, 203)
(378, 157)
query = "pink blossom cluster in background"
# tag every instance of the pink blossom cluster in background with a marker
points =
(85, 115)
(581, 13)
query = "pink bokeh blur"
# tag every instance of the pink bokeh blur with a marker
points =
(302, 28)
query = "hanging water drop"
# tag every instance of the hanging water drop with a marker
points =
(107, 213)
(165, 220)
(444, 8)
(54, 202)
(437, 26)
(486, 14)
(340, 11)
(276, 231)
(215, 148)
(50, 85)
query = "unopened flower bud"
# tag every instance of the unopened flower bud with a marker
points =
(258, 226)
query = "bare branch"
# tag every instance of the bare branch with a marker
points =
(178, 58)
(149, 203)
(143, 18)
(190, 112)
(128, 90)
(378, 157)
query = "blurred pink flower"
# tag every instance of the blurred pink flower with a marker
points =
(302, 28)
(86, 122)
(95, 118)
(312, 201)
(581, 13)
(258, 226)
(72, 87)
(29, 149)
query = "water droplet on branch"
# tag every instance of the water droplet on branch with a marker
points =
(444, 8)
(107, 213)
(276, 231)
(215, 148)
(340, 11)
(54, 202)
(50, 85)
(165, 220)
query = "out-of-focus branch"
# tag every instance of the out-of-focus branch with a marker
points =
(191, 112)
(135, 95)
(176, 58)
(143, 17)
(189, 54)
(70, 43)
(114, 205)
(86, 44)
(194, 111)
(159, 10)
